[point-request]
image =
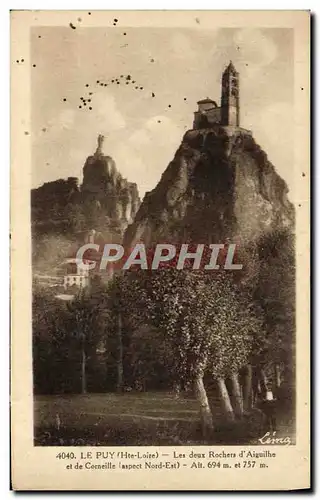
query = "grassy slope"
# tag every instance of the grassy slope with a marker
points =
(84, 409)
(111, 419)
(135, 419)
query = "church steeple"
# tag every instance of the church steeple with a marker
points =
(230, 106)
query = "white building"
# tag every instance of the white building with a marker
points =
(77, 273)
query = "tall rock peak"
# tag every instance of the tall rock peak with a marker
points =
(105, 189)
(104, 204)
(220, 184)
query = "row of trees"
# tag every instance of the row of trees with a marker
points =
(210, 328)
(176, 328)
(90, 345)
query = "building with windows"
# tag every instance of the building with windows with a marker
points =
(228, 114)
(77, 273)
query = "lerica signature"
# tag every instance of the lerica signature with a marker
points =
(271, 438)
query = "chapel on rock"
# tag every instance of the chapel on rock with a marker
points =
(228, 114)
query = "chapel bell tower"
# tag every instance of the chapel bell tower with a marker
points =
(230, 107)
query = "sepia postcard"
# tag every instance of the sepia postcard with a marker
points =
(160, 198)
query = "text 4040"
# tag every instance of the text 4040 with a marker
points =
(66, 456)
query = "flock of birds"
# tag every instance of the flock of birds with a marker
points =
(86, 100)
(126, 80)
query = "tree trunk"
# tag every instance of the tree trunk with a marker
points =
(247, 389)
(256, 386)
(205, 412)
(225, 399)
(263, 382)
(277, 375)
(177, 390)
(236, 395)
(83, 367)
(120, 355)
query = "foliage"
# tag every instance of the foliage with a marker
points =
(148, 360)
(60, 331)
(88, 313)
(276, 295)
(53, 347)
(201, 316)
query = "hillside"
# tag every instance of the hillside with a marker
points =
(220, 186)
(63, 212)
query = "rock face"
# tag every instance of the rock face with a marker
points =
(63, 212)
(105, 201)
(104, 187)
(219, 187)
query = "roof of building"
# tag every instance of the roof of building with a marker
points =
(75, 260)
(65, 296)
(204, 101)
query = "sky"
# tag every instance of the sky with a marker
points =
(142, 131)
